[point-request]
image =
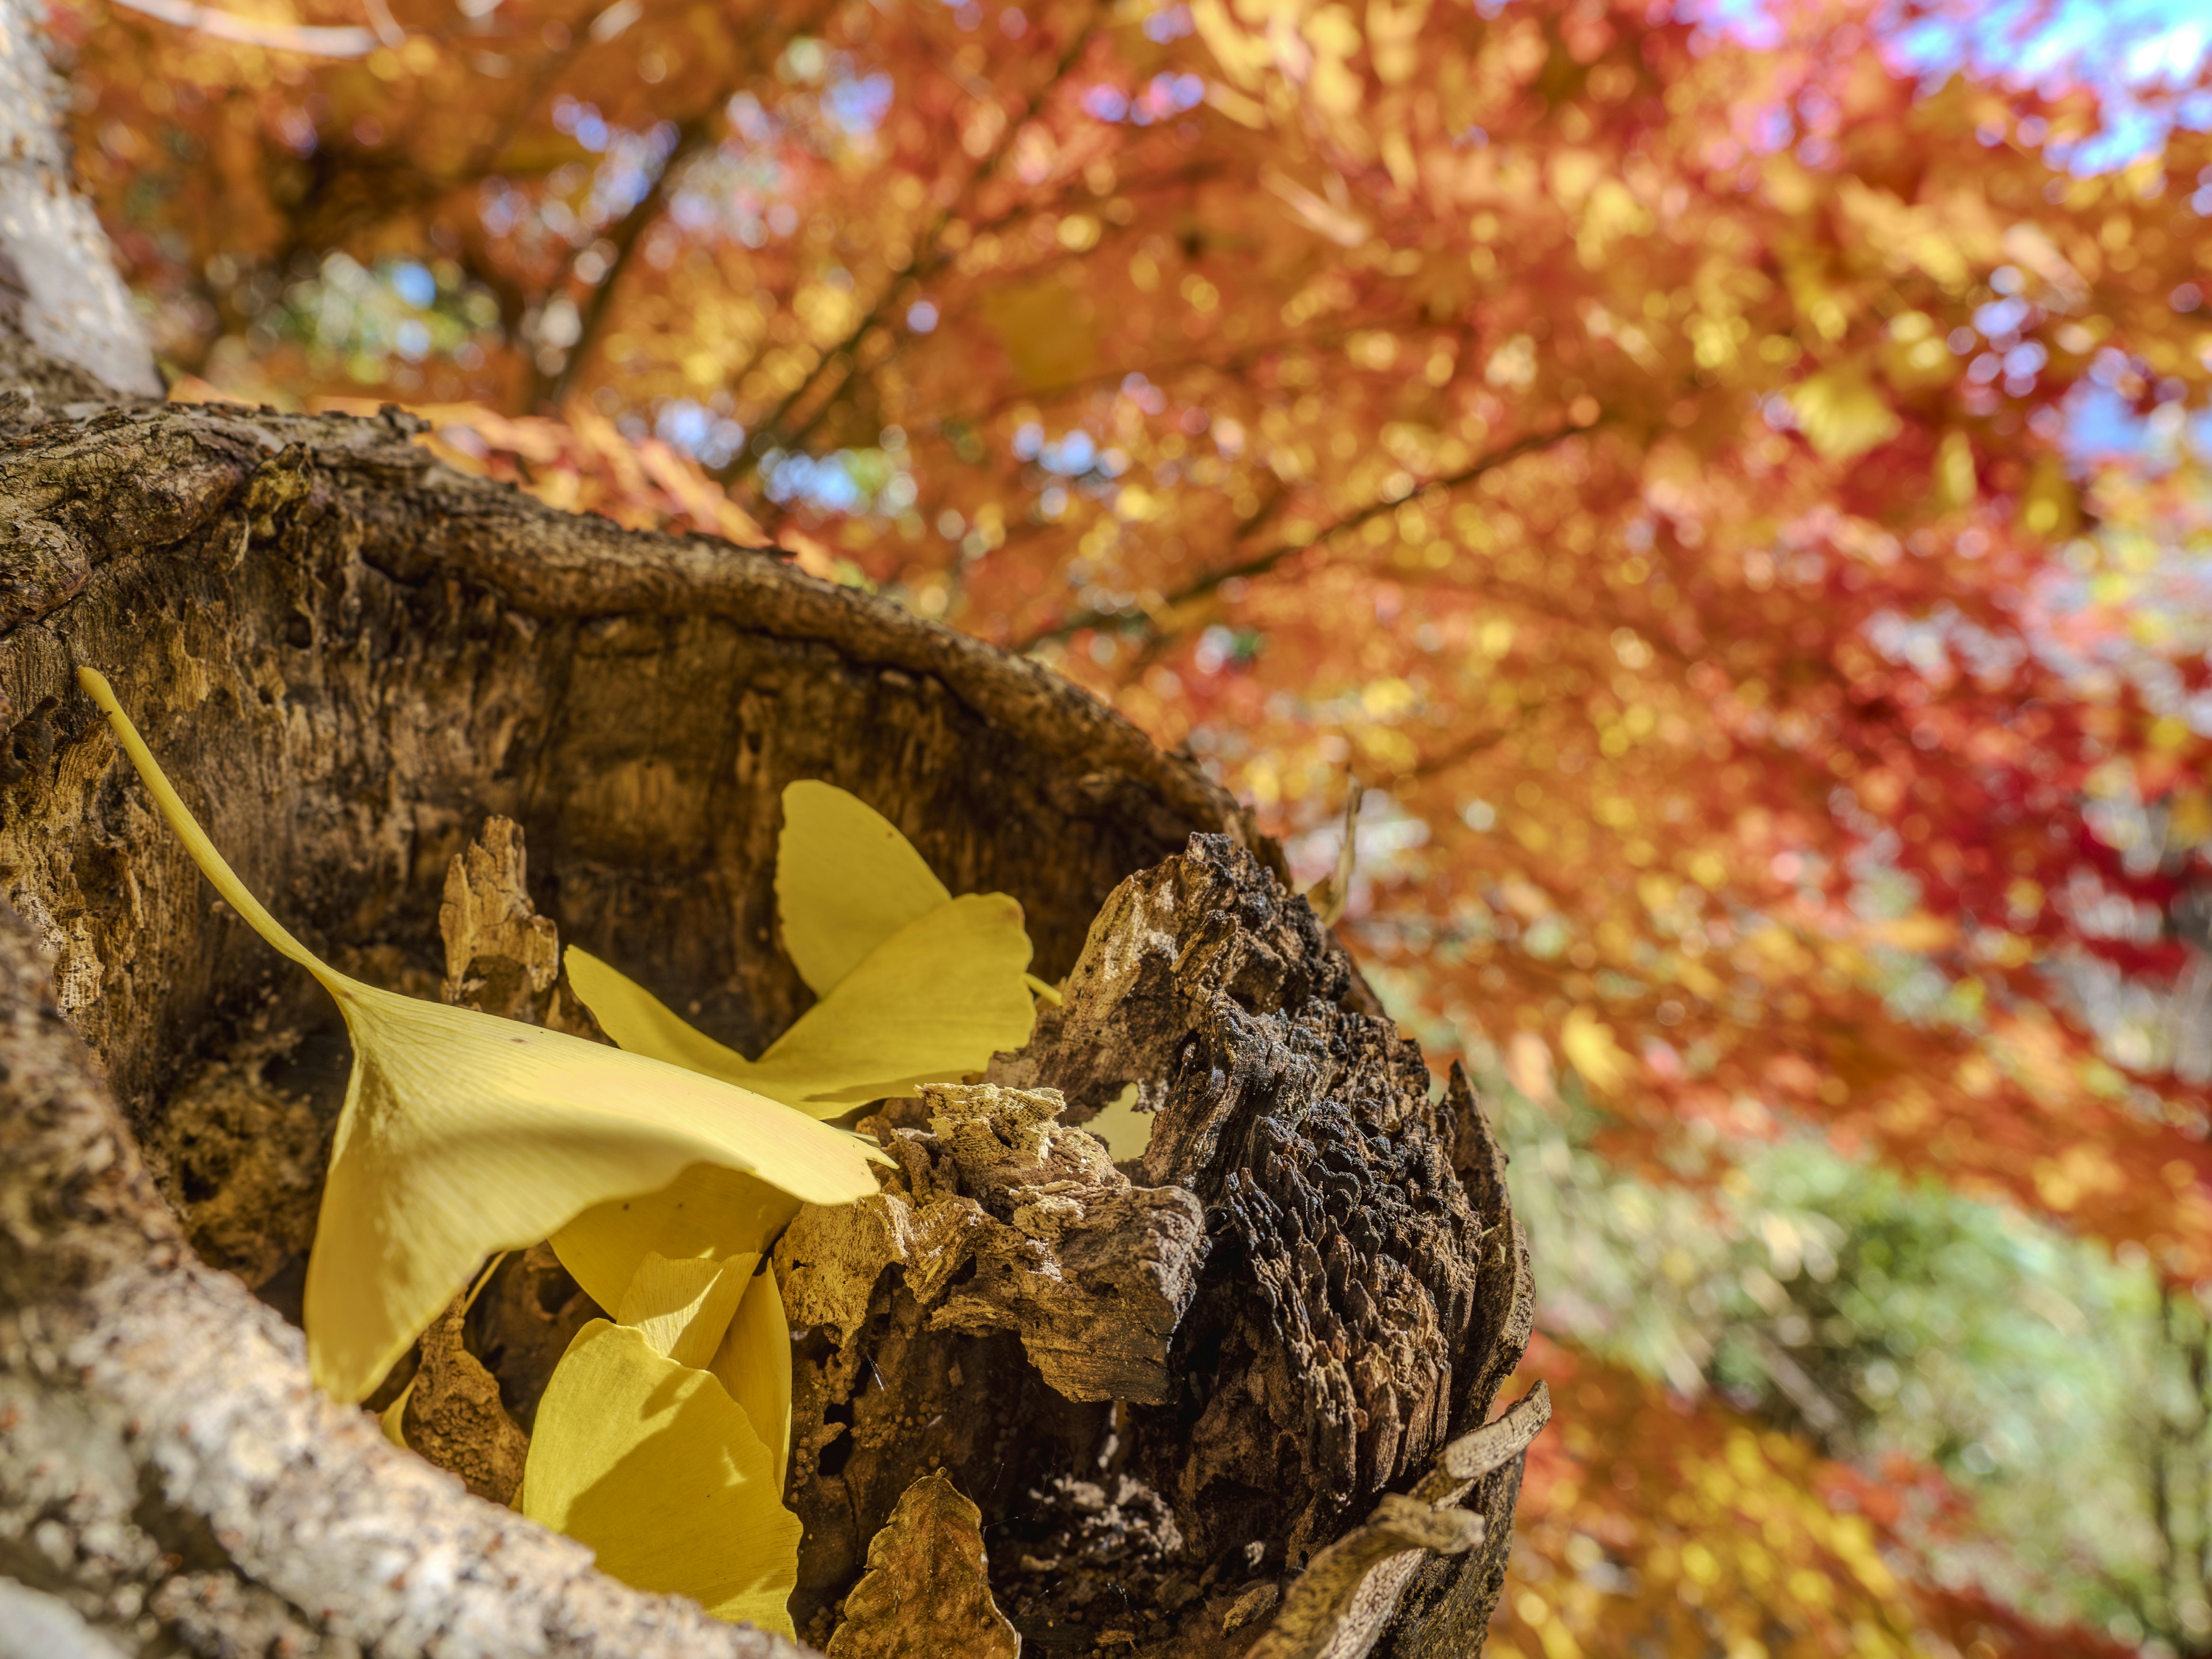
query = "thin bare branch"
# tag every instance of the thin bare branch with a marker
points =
(694, 138)
(1259, 564)
(930, 256)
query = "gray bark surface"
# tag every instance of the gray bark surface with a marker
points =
(1174, 1383)
(67, 332)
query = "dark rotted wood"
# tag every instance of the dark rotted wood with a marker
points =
(1356, 1294)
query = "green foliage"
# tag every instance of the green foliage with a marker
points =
(1893, 1322)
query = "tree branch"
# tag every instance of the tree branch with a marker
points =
(768, 430)
(58, 285)
(1238, 362)
(548, 390)
(1260, 563)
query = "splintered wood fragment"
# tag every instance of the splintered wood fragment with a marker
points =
(1326, 1613)
(1043, 1236)
(926, 1592)
(1342, 1601)
(454, 1417)
(502, 956)
(1482, 1451)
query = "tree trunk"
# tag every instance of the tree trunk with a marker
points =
(1303, 1297)
(66, 330)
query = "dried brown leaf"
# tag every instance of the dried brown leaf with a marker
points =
(926, 1592)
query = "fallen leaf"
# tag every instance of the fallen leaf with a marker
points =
(754, 1363)
(683, 1307)
(932, 1003)
(660, 1473)
(464, 1134)
(926, 1593)
(708, 1211)
(846, 880)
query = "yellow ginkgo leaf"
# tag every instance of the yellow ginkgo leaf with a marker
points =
(684, 1306)
(754, 1363)
(661, 1473)
(463, 1134)
(1127, 1131)
(641, 1023)
(708, 1211)
(846, 880)
(932, 1003)
(393, 1417)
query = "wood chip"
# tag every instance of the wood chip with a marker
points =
(453, 1416)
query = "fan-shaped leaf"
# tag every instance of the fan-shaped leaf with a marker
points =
(933, 1001)
(654, 1466)
(463, 1134)
(754, 1363)
(846, 880)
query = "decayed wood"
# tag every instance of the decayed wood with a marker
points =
(502, 956)
(1367, 1290)
(1347, 1599)
(1291, 1300)
(352, 657)
(1002, 1219)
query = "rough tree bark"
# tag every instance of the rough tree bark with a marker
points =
(1167, 1388)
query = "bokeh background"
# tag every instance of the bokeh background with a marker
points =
(1708, 496)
